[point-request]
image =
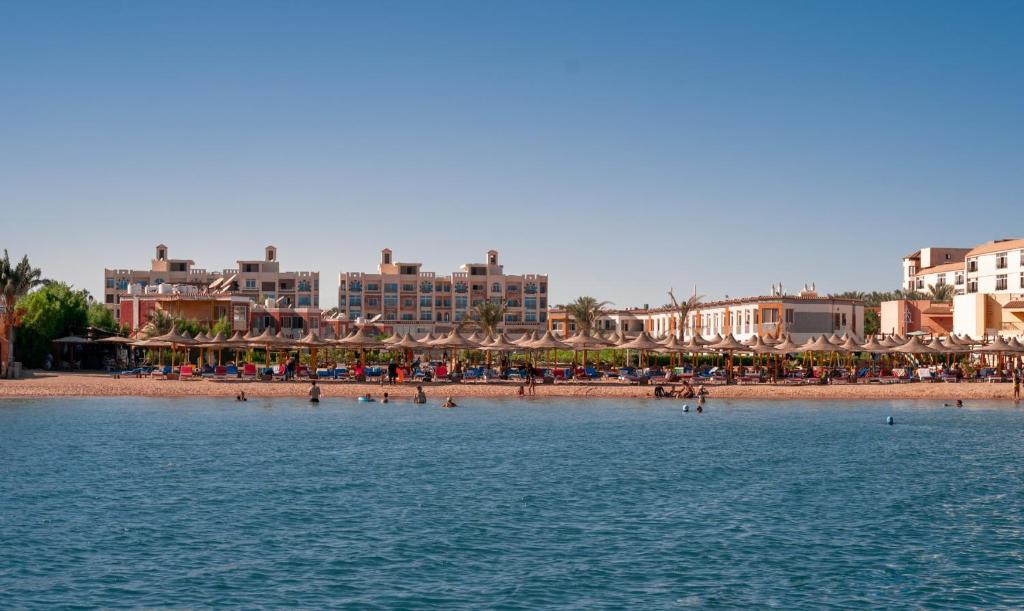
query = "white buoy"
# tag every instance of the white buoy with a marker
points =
(889, 420)
(686, 407)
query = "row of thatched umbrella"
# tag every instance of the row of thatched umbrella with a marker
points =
(363, 339)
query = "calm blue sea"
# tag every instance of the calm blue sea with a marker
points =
(558, 504)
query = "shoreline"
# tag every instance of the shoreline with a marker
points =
(64, 384)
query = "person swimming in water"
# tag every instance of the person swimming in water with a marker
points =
(314, 393)
(241, 396)
(385, 399)
(959, 403)
(421, 397)
(700, 404)
(448, 403)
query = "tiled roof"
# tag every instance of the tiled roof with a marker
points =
(945, 267)
(997, 246)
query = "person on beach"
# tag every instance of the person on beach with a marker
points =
(1016, 385)
(392, 372)
(700, 404)
(241, 396)
(687, 392)
(385, 399)
(314, 393)
(521, 391)
(448, 403)
(421, 397)
(531, 379)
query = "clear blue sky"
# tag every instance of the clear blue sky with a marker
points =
(620, 147)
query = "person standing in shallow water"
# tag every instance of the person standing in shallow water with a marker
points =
(314, 393)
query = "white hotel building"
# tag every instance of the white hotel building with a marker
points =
(989, 283)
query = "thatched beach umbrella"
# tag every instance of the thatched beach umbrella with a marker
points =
(175, 340)
(584, 342)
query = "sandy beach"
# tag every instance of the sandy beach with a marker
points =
(48, 384)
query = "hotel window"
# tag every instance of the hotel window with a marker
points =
(478, 287)
(110, 283)
(389, 316)
(531, 317)
(1022, 258)
(959, 278)
(304, 286)
(543, 316)
(408, 316)
(110, 299)
(920, 283)
(122, 285)
(1001, 282)
(460, 302)
(407, 302)
(531, 303)
(1001, 260)
(390, 287)
(372, 286)
(460, 287)
(390, 301)
(305, 300)
(1022, 280)
(250, 285)
(356, 286)
(495, 287)
(530, 289)
(789, 316)
(354, 314)
(355, 300)
(972, 286)
(426, 287)
(426, 315)
(972, 265)
(425, 301)
(408, 288)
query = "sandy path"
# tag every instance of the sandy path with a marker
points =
(89, 384)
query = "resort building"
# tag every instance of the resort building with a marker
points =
(255, 279)
(935, 266)
(407, 299)
(904, 316)
(988, 297)
(801, 316)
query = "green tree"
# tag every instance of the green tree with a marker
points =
(159, 323)
(872, 323)
(683, 308)
(15, 282)
(223, 325)
(940, 292)
(53, 311)
(99, 317)
(586, 311)
(487, 316)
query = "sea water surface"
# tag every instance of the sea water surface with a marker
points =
(517, 504)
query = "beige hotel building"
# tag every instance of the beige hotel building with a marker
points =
(410, 300)
(261, 280)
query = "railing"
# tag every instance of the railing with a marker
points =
(1013, 326)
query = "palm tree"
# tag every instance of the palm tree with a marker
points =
(586, 311)
(159, 323)
(684, 308)
(940, 292)
(486, 315)
(15, 282)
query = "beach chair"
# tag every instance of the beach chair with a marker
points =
(249, 372)
(340, 373)
(231, 371)
(186, 373)
(164, 372)
(302, 372)
(925, 374)
(220, 372)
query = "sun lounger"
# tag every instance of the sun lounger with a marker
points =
(220, 372)
(186, 372)
(249, 372)
(232, 371)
